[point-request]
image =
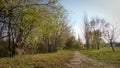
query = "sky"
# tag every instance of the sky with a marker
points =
(107, 9)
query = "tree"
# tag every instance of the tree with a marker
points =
(110, 34)
(86, 31)
(92, 32)
(73, 43)
(27, 25)
(95, 31)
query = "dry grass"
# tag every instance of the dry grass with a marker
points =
(50, 60)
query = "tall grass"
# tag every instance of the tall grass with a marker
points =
(50, 60)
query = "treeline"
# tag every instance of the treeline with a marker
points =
(30, 27)
(99, 33)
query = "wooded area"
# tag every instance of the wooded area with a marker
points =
(30, 27)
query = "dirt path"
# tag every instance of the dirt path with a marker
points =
(82, 61)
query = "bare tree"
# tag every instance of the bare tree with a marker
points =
(110, 34)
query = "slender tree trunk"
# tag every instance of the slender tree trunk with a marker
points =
(9, 45)
(87, 44)
(9, 39)
(111, 44)
(98, 46)
(48, 43)
(55, 45)
(13, 47)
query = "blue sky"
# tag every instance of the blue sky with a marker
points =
(108, 9)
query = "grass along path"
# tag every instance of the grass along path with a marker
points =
(82, 61)
(50, 60)
(105, 55)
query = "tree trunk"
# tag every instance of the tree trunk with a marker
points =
(87, 44)
(13, 49)
(98, 46)
(9, 39)
(48, 44)
(111, 44)
(55, 46)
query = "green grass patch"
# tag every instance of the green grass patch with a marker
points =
(104, 55)
(49, 60)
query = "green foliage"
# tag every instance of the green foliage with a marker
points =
(33, 26)
(95, 39)
(93, 32)
(104, 55)
(72, 43)
(50, 60)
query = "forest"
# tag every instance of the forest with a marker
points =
(29, 27)
(35, 32)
